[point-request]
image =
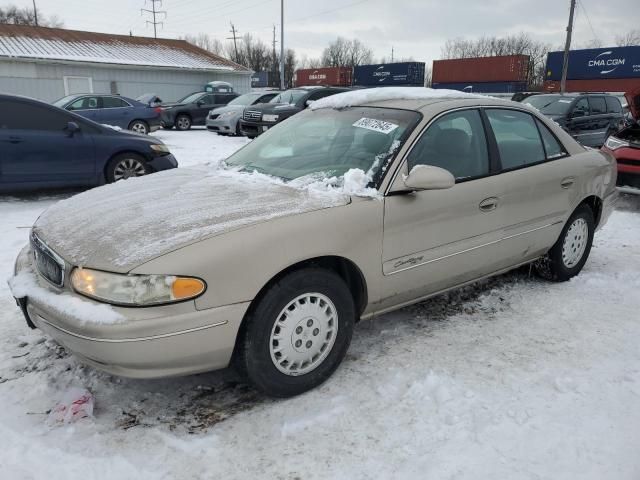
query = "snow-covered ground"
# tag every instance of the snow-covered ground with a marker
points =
(515, 378)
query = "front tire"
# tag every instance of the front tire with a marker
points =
(126, 165)
(183, 122)
(569, 254)
(297, 334)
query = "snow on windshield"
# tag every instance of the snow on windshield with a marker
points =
(370, 95)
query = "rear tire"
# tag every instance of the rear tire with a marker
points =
(126, 165)
(297, 333)
(139, 126)
(183, 122)
(569, 254)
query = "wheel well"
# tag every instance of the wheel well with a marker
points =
(595, 204)
(138, 120)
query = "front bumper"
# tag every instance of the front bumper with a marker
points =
(167, 118)
(222, 125)
(148, 342)
(253, 128)
(165, 162)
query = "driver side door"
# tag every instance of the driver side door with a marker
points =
(436, 239)
(202, 107)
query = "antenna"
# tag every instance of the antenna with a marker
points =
(154, 12)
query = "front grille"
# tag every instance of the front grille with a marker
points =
(47, 262)
(252, 115)
(214, 116)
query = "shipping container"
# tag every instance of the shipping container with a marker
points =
(332, 76)
(260, 80)
(511, 68)
(484, 87)
(601, 85)
(380, 75)
(595, 63)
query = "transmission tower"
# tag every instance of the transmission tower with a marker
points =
(155, 13)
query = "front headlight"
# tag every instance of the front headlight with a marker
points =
(614, 143)
(226, 114)
(159, 149)
(135, 290)
(270, 118)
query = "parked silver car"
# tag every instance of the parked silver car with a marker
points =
(224, 120)
(368, 202)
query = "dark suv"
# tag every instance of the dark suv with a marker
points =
(257, 119)
(588, 117)
(192, 109)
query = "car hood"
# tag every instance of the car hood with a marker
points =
(172, 105)
(120, 226)
(274, 108)
(228, 108)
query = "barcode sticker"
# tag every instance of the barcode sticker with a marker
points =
(376, 125)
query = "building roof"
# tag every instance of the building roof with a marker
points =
(70, 46)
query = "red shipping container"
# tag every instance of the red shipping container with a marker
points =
(332, 76)
(597, 85)
(511, 68)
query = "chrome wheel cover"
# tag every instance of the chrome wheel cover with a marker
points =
(184, 123)
(139, 127)
(575, 242)
(127, 168)
(303, 334)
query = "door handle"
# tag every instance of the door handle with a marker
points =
(489, 204)
(15, 140)
(567, 182)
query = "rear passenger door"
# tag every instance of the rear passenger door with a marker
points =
(115, 111)
(601, 121)
(537, 183)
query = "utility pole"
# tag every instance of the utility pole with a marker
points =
(282, 44)
(235, 38)
(155, 13)
(391, 54)
(274, 58)
(35, 12)
(567, 46)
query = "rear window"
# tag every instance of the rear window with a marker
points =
(113, 102)
(613, 105)
(598, 105)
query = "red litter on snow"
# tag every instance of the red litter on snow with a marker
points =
(76, 403)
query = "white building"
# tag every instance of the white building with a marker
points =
(49, 63)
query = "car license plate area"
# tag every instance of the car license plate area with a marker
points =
(47, 266)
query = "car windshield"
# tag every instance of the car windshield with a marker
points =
(289, 96)
(550, 104)
(246, 99)
(328, 143)
(61, 102)
(192, 98)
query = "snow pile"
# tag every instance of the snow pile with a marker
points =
(25, 284)
(371, 95)
(75, 404)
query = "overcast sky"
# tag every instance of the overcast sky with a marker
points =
(415, 28)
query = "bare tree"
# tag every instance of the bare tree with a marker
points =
(521, 44)
(206, 42)
(346, 53)
(27, 16)
(628, 39)
(306, 62)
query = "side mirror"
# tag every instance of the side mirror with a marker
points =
(428, 177)
(71, 128)
(578, 113)
(200, 103)
(308, 103)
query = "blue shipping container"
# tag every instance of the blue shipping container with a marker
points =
(260, 79)
(485, 87)
(380, 75)
(595, 63)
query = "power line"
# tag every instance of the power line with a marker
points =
(588, 21)
(154, 12)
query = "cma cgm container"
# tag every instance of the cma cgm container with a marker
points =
(260, 79)
(333, 76)
(380, 75)
(596, 64)
(511, 68)
(484, 87)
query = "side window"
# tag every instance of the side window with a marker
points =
(27, 116)
(517, 136)
(613, 105)
(212, 99)
(113, 102)
(86, 103)
(266, 98)
(455, 142)
(321, 94)
(582, 105)
(552, 146)
(598, 105)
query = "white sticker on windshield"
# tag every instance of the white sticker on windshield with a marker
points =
(376, 125)
(564, 101)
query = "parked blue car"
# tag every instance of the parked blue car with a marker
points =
(113, 110)
(42, 146)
